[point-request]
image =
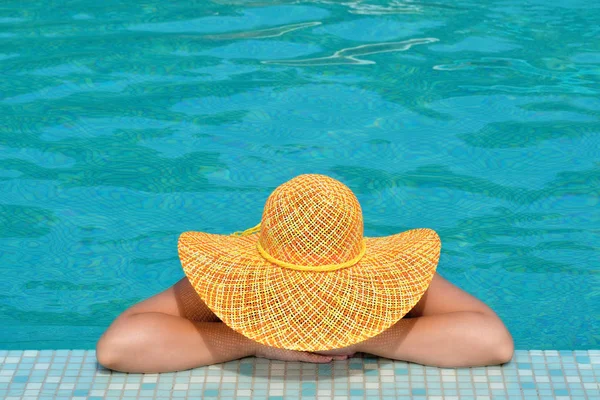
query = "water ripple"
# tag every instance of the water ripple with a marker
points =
(10, 20)
(275, 15)
(66, 89)
(568, 82)
(7, 56)
(263, 33)
(350, 55)
(47, 159)
(489, 62)
(355, 7)
(394, 7)
(561, 88)
(484, 44)
(372, 29)
(82, 16)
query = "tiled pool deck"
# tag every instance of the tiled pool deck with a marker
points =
(75, 374)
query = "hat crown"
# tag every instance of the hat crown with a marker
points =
(312, 219)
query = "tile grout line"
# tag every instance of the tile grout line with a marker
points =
(585, 392)
(59, 383)
(562, 369)
(519, 375)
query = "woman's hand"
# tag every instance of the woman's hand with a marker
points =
(273, 353)
(348, 351)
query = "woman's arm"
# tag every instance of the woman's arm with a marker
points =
(153, 342)
(448, 327)
(456, 339)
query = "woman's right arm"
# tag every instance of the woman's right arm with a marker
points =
(154, 342)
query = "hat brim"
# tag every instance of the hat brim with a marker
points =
(310, 310)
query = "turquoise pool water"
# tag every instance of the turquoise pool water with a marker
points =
(123, 125)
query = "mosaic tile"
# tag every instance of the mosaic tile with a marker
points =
(531, 374)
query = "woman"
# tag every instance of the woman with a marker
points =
(380, 296)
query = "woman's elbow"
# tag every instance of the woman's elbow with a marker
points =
(110, 348)
(107, 354)
(104, 354)
(505, 349)
(500, 341)
(489, 341)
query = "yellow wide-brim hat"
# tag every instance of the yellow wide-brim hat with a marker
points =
(306, 278)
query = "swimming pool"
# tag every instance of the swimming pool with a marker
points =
(124, 125)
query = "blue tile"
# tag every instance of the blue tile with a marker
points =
(246, 369)
(147, 386)
(17, 386)
(561, 392)
(308, 389)
(417, 392)
(211, 392)
(401, 371)
(523, 365)
(527, 385)
(80, 392)
(20, 379)
(357, 392)
(582, 359)
(556, 372)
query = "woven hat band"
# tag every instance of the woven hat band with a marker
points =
(330, 267)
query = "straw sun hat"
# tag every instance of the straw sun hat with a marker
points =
(306, 278)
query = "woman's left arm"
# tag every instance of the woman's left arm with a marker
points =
(448, 327)
(451, 340)
(457, 339)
